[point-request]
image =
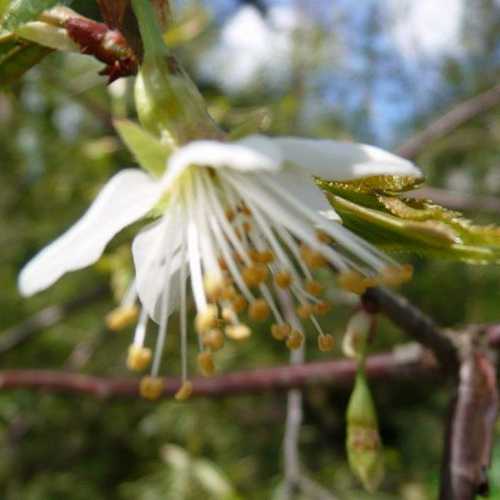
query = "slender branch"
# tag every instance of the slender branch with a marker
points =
(450, 121)
(334, 373)
(47, 318)
(415, 323)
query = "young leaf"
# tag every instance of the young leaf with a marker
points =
(405, 224)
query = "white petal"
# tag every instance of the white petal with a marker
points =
(150, 270)
(250, 154)
(343, 161)
(127, 197)
(301, 186)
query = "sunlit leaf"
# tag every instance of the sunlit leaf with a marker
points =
(409, 225)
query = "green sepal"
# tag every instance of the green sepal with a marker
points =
(364, 447)
(407, 225)
(148, 150)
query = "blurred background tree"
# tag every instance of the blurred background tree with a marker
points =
(376, 73)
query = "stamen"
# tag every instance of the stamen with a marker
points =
(238, 332)
(206, 363)
(122, 317)
(313, 287)
(259, 310)
(214, 286)
(295, 340)
(255, 274)
(322, 308)
(305, 311)
(213, 340)
(281, 331)
(326, 343)
(239, 304)
(138, 358)
(206, 319)
(151, 387)
(185, 391)
(283, 279)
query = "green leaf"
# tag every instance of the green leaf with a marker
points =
(149, 151)
(408, 225)
(17, 12)
(17, 57)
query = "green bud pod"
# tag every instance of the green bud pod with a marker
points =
(364, 447)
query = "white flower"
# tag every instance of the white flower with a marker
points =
(235, 215)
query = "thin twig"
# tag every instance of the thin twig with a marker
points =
(415, 323)
(457, 116)
(341, 373)
(47, 318)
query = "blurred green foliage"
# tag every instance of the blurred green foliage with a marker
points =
(57, 147)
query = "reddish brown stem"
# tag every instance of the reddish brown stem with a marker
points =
(336, 373)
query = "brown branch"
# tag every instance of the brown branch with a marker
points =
(335, 373)
(457, 116)
(47, 318)
(471, 429)
(415, 323)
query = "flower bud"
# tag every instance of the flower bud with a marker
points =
(364, 447)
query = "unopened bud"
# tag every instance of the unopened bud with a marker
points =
(364, 447)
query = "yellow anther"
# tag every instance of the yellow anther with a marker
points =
(247, 227)
(259, 310)
(229, 315)
(323, 237)
(326, 343)
(281, 331)
(185, 391)
(138, 358)
(353, 281)
(214, 286)
(311, 257)
(314, 287)
(213, 340)
(305, 311)
(255, 274)
(266, 257)
(239, 304)
(396, 275)
(206, 363)
(238, 332)
(207, 319)
(151, 387)
(322, 308)
(283, 279)
(230, 214)
(229, 293)
(244, 209)
(254, 255)
(222, 263)
(295, 340)
(122, 317)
